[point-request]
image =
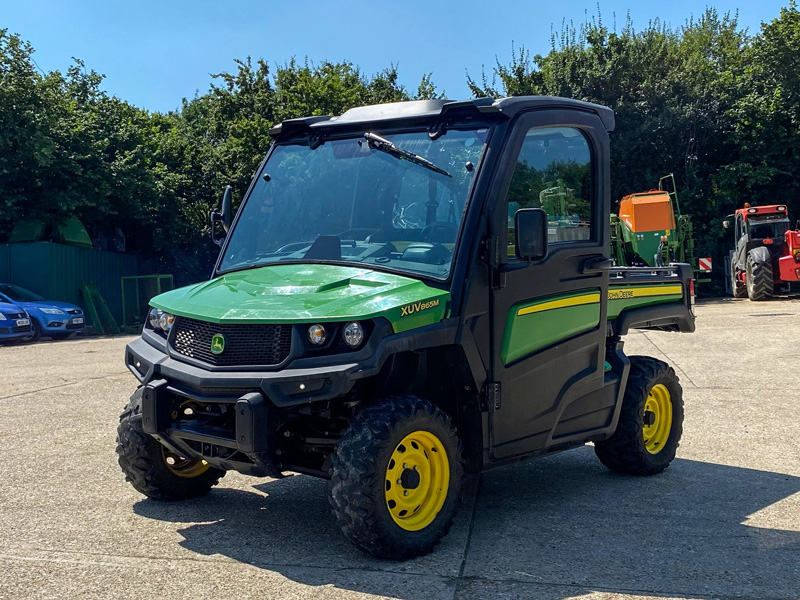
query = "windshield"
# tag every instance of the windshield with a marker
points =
(18, 294)
(760, 229)
(360, 201)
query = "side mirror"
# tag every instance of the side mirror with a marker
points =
(223, 216)
(728, 221)
(530, 228)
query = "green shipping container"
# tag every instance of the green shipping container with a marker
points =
(56, 271)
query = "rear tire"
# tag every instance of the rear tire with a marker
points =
(650, 421)
(738, 288)
(759, 279)
(401, 453)
(145, 461)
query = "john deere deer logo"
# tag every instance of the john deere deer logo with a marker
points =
(218, 343)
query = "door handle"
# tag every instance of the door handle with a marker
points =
(596, 265)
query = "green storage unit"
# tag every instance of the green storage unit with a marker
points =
(56, 271)
(5, 270)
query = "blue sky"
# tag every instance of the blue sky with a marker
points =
(155, 53)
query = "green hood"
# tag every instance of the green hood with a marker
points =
(308, 293)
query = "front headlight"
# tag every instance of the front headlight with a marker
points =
(160, 320)
(153, 317)
(3, 317)
(353, 334)
(52, 311)
(165, 321)
(317, 334)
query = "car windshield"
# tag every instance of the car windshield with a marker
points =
(18, 294)
(760, 229)
(367, 200)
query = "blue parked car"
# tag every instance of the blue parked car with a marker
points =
(15, 324)
(50, 318)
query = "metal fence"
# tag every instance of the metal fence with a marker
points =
(56, 271)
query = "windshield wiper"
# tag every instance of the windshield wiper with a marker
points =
(376, 142)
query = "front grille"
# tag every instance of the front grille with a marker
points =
(74, 311)
(74, 326)
(21, 329)
(245, 345)
(17, 316)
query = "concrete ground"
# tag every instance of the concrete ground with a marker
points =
(722, 522)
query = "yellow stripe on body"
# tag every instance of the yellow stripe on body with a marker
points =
(593, 298)
(642, 292)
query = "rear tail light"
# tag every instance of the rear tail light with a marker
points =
(691, 294)
(767, 240)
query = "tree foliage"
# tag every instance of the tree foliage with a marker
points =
(709, 102)
(68, 148)
(715, 104)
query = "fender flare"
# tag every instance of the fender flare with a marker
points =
(760, 255)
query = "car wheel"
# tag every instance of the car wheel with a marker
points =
(36, 334)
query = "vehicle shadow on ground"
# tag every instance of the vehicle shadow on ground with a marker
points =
(727, 300)
(549, 529)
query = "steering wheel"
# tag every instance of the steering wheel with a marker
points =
(441, 232)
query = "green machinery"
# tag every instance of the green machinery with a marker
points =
(650, 231)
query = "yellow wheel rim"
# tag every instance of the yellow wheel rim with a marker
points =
(657, 419)
(183, 467)
(417, 480)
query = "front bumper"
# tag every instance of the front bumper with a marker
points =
(238, 439)
(62, 324)
(8, 334)
(285, 388)
(243, 447)
(244, 406)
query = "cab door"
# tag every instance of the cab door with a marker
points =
(549, 317)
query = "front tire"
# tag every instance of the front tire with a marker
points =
(152, 469)
(650, 421)
(36, 334)
(396, 478)
(759, 279)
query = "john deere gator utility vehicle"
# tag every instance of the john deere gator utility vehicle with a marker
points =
(409, 292)
(650, 231)
(766, 256)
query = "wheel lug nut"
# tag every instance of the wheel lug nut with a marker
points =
(405, 465)
(405, 493)
(399, 481)
(416, 467)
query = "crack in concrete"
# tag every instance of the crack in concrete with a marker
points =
(61, 385)
(669, 358)
(472, 519)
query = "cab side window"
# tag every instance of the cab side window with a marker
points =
(554, 173)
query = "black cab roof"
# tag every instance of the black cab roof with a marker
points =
(425, 110)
